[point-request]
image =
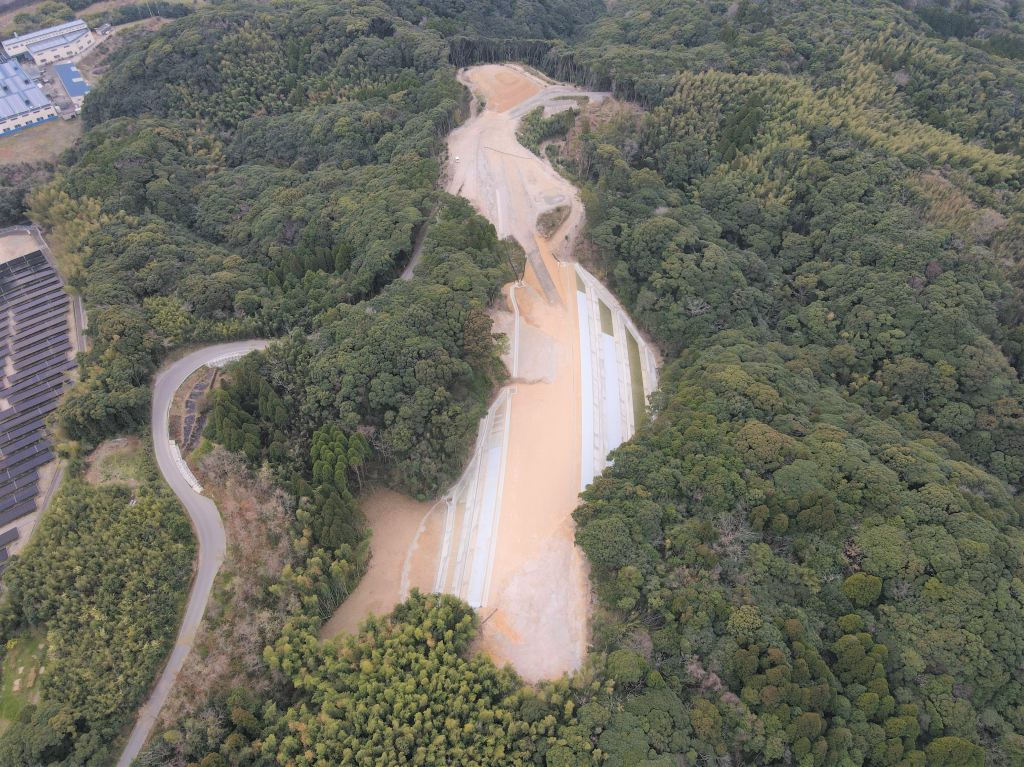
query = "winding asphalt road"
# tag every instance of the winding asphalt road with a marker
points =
(206, 523)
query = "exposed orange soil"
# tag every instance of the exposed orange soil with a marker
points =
(504, 87)
(394, 520)
(538, 603)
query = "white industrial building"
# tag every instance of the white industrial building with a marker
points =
(46, 46)
(22, 103)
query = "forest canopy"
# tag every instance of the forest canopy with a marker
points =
(103, 580)
(816, 543)
(812, 554)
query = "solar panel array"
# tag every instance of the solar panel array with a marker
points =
(35, 357)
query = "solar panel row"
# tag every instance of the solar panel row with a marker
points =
(25, 423)
(35, 357)
(17, 511)
(18, 496)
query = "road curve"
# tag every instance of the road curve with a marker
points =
(206, 523)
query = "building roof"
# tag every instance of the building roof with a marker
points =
(61, 29)
(18, 94)
(72, 80)
(54, 42)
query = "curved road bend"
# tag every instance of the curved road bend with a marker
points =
(206, 523)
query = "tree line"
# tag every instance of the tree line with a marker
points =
(811, 554)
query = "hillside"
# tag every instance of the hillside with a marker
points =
(820, 216)
(811, 552)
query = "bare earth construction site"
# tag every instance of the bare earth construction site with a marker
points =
(502, 538)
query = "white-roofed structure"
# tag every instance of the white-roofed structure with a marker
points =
(53, 43)
(22, 103)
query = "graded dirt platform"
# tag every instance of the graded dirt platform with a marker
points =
(502, 538)
(572, 381)
(394, 520)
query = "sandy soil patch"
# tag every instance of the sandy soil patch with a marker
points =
(503, 87)
(16, 244)
(403, 550)
(503, 535)
(536, 607)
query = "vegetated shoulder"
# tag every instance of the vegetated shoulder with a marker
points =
(120, 460)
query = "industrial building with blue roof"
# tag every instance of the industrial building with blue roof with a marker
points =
(73, 82)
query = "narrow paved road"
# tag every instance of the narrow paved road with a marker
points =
(206, 523)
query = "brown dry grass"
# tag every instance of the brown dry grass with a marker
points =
(592, 116)
(94, 64)
(242, 617)
(116, 461)
(41, 143)
(549, 221)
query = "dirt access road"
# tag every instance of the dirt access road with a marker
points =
(521, 567)
(502, 538)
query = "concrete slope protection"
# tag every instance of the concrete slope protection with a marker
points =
(202, 513)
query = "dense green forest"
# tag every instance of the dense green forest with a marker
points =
(811, 555)
(816, 545)
(103, 580)
(250, 203)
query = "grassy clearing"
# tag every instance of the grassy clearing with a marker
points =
(607, 326)
(636, 377)
(19, 679)
(122, 461)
